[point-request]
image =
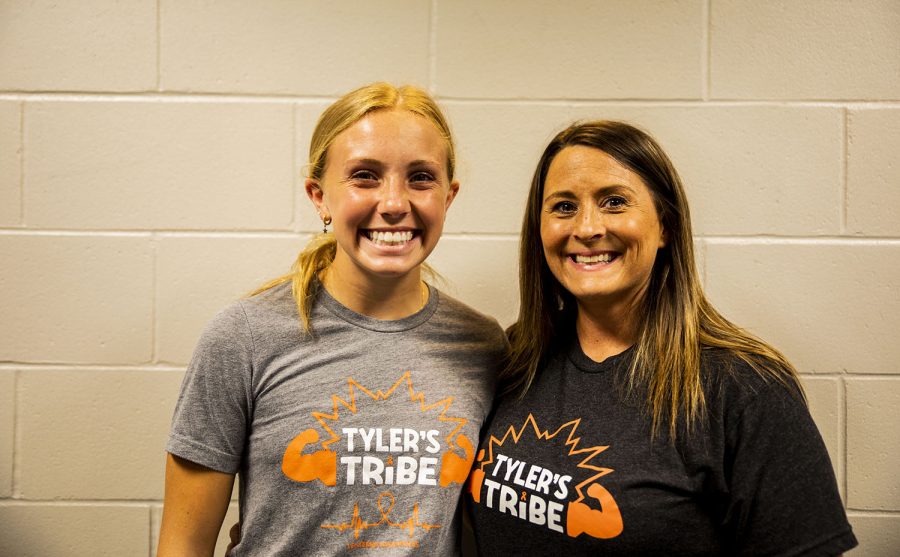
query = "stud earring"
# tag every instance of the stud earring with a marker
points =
(325, 222)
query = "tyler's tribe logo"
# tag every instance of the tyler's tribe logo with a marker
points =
(536, 509)
(402, 462)
(542, 496)
(353, 454)
(407, 470)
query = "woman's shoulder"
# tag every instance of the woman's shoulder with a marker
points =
(452, 307)
(738, 382)
(242, 316)
(460, 317)
(275, 303)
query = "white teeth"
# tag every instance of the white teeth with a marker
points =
(388, 238)
(588, 259)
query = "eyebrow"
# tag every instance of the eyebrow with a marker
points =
(568, 194)
(369, 162)
(565, 194)
(376, 162)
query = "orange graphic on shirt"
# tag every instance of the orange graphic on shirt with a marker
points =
(594, 511)
(358, 524)
(321, 464)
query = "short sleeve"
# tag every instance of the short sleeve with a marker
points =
(783, 497)
(210, 422)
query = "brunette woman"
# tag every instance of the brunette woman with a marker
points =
(637, 419)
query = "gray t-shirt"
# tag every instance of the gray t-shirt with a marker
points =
(357, 437)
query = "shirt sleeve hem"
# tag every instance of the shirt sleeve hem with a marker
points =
(830, 546)
(202, 455)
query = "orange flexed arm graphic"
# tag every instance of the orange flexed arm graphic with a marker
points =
(603, 524)
(320, 465)
(454, 468)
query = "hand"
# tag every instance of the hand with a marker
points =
(234, 536)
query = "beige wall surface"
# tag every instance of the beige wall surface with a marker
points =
(151, 159)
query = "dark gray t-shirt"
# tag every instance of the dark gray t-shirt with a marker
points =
(355, 438)
(572, 469)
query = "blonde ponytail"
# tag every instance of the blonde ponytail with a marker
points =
(315, 258)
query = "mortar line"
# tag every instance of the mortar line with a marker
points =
(150, 551)
(834, 240)
(150, 529)
(211, 233)
(146, 232)
(432, 47)
(842, 442)
(158, 45)
(706, 51)
(174, 96)
(22, 164)
(154, 297)
(16, 479)
(751, 239)
(80, 501)
(77, 368)
(162, 96)
(295, 171)
(845, 165)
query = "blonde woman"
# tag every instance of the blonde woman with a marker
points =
(638, 420)
(348, 394)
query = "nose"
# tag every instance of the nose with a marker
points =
(394, 198)
(589, 224)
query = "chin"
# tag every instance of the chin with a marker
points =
(392, 271)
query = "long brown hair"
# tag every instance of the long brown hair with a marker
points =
(678, 321)
(343, 113)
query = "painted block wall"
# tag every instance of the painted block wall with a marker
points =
(151, 159)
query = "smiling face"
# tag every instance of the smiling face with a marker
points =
(599, 227)
(387, 189)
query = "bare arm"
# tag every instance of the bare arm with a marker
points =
(195, 505)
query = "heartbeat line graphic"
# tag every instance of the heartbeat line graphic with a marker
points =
(359, 525)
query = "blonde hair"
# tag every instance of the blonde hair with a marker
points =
(678, 322)
(343, 113)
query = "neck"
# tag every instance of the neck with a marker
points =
(606, 330)
(385, 298)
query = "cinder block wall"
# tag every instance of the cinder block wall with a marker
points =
(151, 154)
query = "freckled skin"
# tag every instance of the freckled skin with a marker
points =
(594, 205)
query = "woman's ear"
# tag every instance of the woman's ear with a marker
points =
(317, 196)
(451, 195)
